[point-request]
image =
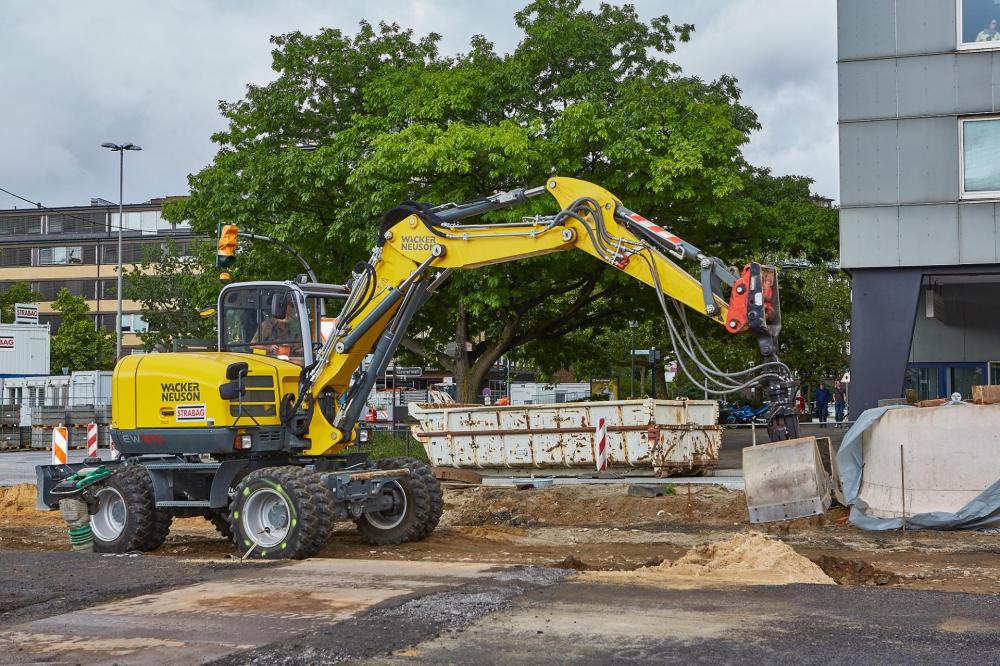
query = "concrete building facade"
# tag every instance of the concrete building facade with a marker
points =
(919, 123)
(77, 248)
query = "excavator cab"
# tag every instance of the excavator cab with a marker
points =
(284, 320)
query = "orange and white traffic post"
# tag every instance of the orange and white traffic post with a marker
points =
(91, 440)
(60, 445)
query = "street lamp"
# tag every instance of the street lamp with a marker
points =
(120, 149)
(632, 324)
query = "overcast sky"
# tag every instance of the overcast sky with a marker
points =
(77, 74)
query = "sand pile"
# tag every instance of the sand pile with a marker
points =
(17, 499)
(746, 559)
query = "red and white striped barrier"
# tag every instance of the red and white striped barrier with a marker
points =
(601, 438)
(60, 445)
(91, 440)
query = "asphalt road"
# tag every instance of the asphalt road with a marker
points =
(61, 607)
(19, 466)
(734, 440)
(576, 623)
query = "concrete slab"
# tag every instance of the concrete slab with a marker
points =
(209, 620)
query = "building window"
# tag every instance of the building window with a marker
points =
(980, 167)
(60, 256)
(978, 24)
(134, 323)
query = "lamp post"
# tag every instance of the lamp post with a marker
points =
(632, 324)
(120, 149)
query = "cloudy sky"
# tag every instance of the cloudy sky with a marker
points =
(77, 74)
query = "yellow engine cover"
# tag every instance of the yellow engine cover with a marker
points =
(181, 390)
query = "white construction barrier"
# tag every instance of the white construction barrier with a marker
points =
(925, 468)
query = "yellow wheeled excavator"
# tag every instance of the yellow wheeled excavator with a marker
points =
(258, 436)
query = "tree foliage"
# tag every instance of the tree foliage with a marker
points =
(173, 289)
(79, 345)
(19, 292)
(590, 94)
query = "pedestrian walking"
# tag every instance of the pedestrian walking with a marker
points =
(822, 399)
(839, 403)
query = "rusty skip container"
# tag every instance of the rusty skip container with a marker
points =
(667, 437)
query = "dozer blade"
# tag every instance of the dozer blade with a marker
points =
(785, 480)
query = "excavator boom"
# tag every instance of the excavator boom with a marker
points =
(420, 246)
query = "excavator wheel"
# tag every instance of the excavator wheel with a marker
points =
(416, 508)
(274, 514)
(322, 502)
(127, 519)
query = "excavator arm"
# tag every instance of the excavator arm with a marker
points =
(420, 246)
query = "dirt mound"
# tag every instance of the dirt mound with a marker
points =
(579, 506)
(746, 559)
(854, 572)
(17, 499)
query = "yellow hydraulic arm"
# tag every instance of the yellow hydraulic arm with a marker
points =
(419, 247)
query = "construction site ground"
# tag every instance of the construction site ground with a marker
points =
(507, 575)
(597, 528)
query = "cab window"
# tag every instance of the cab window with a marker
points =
(250, 326)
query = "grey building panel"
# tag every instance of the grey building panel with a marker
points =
(866, 28)
(928, 235)
(868, 163)
(928, 160)
(925, 26)
(869, 237)
(995, 79)
(973, 82)
(867, 89)
(926, 85)
(977, 233)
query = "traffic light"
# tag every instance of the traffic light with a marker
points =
(226, 255)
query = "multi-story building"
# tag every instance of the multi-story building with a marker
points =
(77, 248)
(919, 90)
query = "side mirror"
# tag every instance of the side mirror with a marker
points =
(234, 370)
(232, 390)
(279, 303)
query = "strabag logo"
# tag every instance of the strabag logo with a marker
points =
(191, 412)
(6, 342)
(180, 391)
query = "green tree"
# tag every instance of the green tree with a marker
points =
(78, 345)
(19, 292)
(173, 287)
(591, 94)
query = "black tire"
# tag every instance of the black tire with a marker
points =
(322, 501)
(143, 528)
(422, 511)
(292, 514)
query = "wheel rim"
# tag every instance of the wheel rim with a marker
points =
(109, 521)
(389, 518)
(266, 517)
